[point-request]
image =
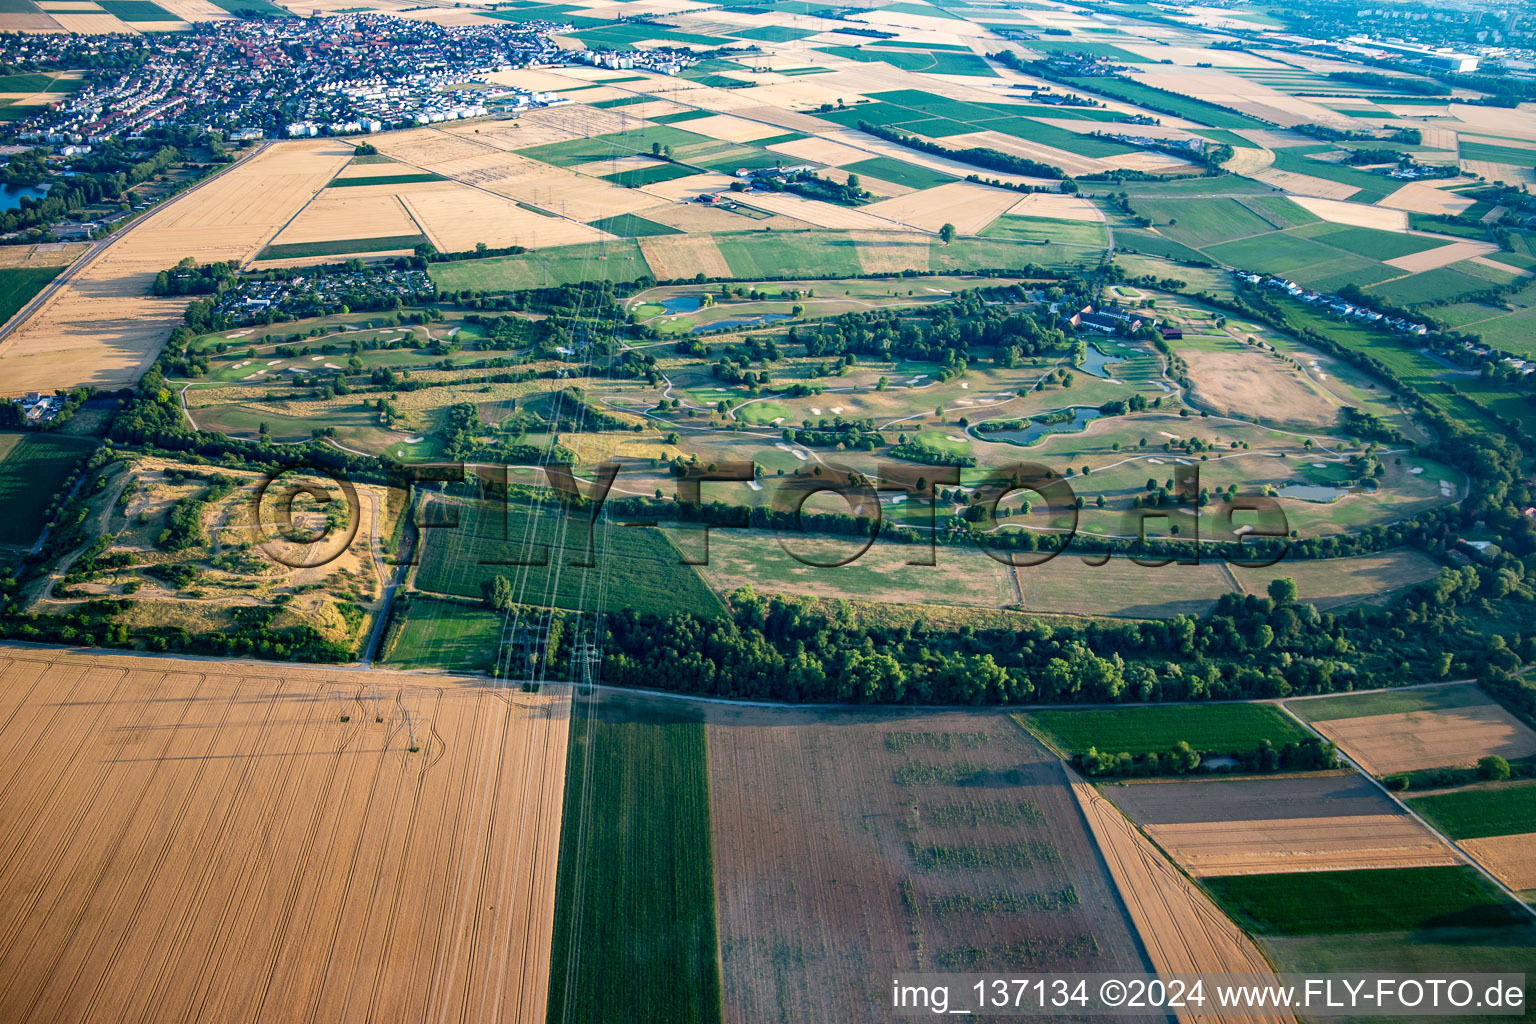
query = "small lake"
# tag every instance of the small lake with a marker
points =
(766, 318)
(12, 195)
(682, 303)
(1095, 361)
(1313, 492)
(1081, 417)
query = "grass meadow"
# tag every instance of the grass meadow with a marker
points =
(32, 467)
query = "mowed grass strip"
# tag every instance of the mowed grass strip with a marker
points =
(635, 934)
(1347, 902)
(32, 467)
(641, 567)
(1145, 730)
(19, 285)
(1503, 810)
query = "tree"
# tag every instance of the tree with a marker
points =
(498, 593)
(947, 233)
(1493, 768)
(1282, 590)
(655, 149)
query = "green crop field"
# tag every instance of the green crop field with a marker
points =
(628, 225)
(634, 177)
(340, 247)
(1501, 810)
(938, 62)
(137, 10)
(640, 567)
(1371, 187)
(1345, 902)
(384, 179)
(1183, 106)
(32, 467)
(1202, 222)
(19, 285)
(899, 172)
(1438, 285)
(1217, 728)
(1494, 154)
(635, 935)
(1376, 245)
(1389, 702)
(1087, 233)
(617, 261)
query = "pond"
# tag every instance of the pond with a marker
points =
(766, 318)
(1081, 417)
(682, 303)
(1313, 492)
(12, 195)
(1095, 361)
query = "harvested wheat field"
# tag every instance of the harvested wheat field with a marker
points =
(967, 205)
(851, 845)
(102, 328)
(1321, 821)
(1418, 198)
(1253, 383)
(1444, 256)
(675, 257)
(1356, 214)
(455, 217)
(339, 214)
(1512, 859)
(1056, 206)
(1182, 929)
(1409, 741)
(813, 211)
(209, 841)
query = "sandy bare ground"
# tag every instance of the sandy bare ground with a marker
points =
(822, 883)
(967, 205)
(1512, 859)
(1444, 256)
(1301, 844)
(1181, 928)
(1356, 214)
(1384, 744)
(1258, 384)
(1417, 198)
(102, 328)
(208, 841)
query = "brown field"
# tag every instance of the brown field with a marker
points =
(1305, 184)
(1324, 821)
(44, 254)
(1182, 929)
(1384, 744)
(1244, 380)
(966, 205)
(891, 252)
(826, 828)
(102, 328)
(1056, 206)
(1328, 582)
(209, 841)
(1512, 859)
